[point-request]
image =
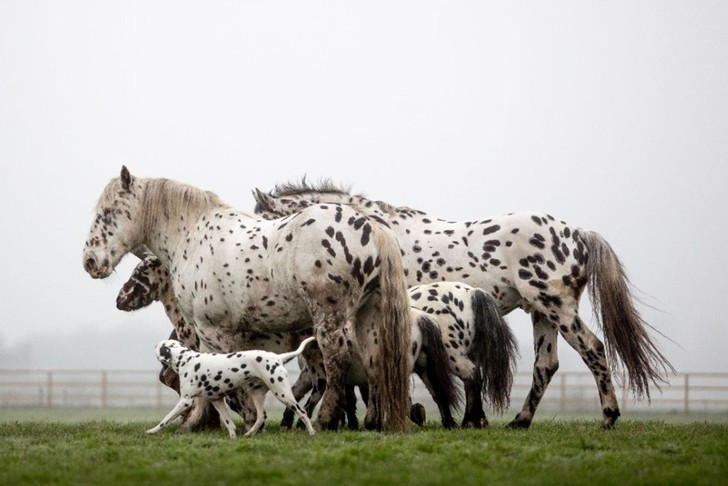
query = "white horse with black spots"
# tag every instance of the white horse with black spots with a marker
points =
(526, 259)
(322, 268)
(480, 347)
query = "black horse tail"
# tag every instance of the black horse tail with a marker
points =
(437, 374)
(494, 351)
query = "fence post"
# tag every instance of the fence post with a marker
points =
(49, 385)
(562, 388)
(159, 394)
(104, 389)
(687, 392)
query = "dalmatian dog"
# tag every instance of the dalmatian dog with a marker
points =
(215, 375)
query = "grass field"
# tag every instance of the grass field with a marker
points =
(43, 448)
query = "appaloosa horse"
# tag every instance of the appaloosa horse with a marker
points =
(526, 259)
(320, 268)
(480, 347)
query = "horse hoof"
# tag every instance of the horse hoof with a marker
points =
(519, 424)
(610, 418)
(418, 414)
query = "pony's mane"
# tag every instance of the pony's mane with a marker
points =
(304, 187)
(163, 197)
(323, 186)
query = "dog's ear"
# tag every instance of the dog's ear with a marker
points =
(165, 354)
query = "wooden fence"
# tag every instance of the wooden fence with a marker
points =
(568, 392)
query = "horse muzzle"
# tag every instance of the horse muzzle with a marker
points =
(95, 269)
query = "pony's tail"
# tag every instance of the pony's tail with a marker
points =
(625, 332)
(286, 357)
(437, 369)
(494, 351)
(394, 329)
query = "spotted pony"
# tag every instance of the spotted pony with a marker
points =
(480, 347)
(526, 260)
(320, 268)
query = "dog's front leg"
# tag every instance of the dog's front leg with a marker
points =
(183, 404)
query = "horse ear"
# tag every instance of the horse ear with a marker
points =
(262, 200)
(258, 195)
(125, 178)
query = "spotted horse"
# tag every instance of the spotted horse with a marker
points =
(481, 349)
(526, 260)
(150, 281)
(321, 268)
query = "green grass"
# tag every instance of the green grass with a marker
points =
(551, 452)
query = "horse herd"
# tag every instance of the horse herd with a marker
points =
(386, 291)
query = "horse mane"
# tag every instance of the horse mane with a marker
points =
(304, 187)
(323, 186)
(165, 197)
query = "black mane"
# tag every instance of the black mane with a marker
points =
(304, 187)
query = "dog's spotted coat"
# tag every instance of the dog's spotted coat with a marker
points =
(215, 375)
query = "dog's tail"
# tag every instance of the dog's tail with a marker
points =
(286, 357)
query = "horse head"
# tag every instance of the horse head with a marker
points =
(143, 287)
(115, 228)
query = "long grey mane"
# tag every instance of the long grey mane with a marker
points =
(165, 197)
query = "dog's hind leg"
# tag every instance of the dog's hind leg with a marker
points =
(285, 395)
(224, 410)
(183, 404)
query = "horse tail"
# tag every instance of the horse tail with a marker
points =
(494, 351)
(394, 328)
(444, 387)
(285, 357)
(625, 332)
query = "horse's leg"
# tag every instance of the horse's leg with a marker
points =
(352, 420)
(545, 365)
(242, 404)
(474, 415)
(257, 394)
(202, 416)
(337, 360)
(442, 404)
(591, 350)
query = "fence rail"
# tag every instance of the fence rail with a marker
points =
(568, 392)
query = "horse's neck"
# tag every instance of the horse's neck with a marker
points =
(171, 308)
(167, 229)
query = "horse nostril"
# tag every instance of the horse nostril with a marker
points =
(89, 264)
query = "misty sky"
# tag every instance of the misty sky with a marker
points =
(610, 115)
